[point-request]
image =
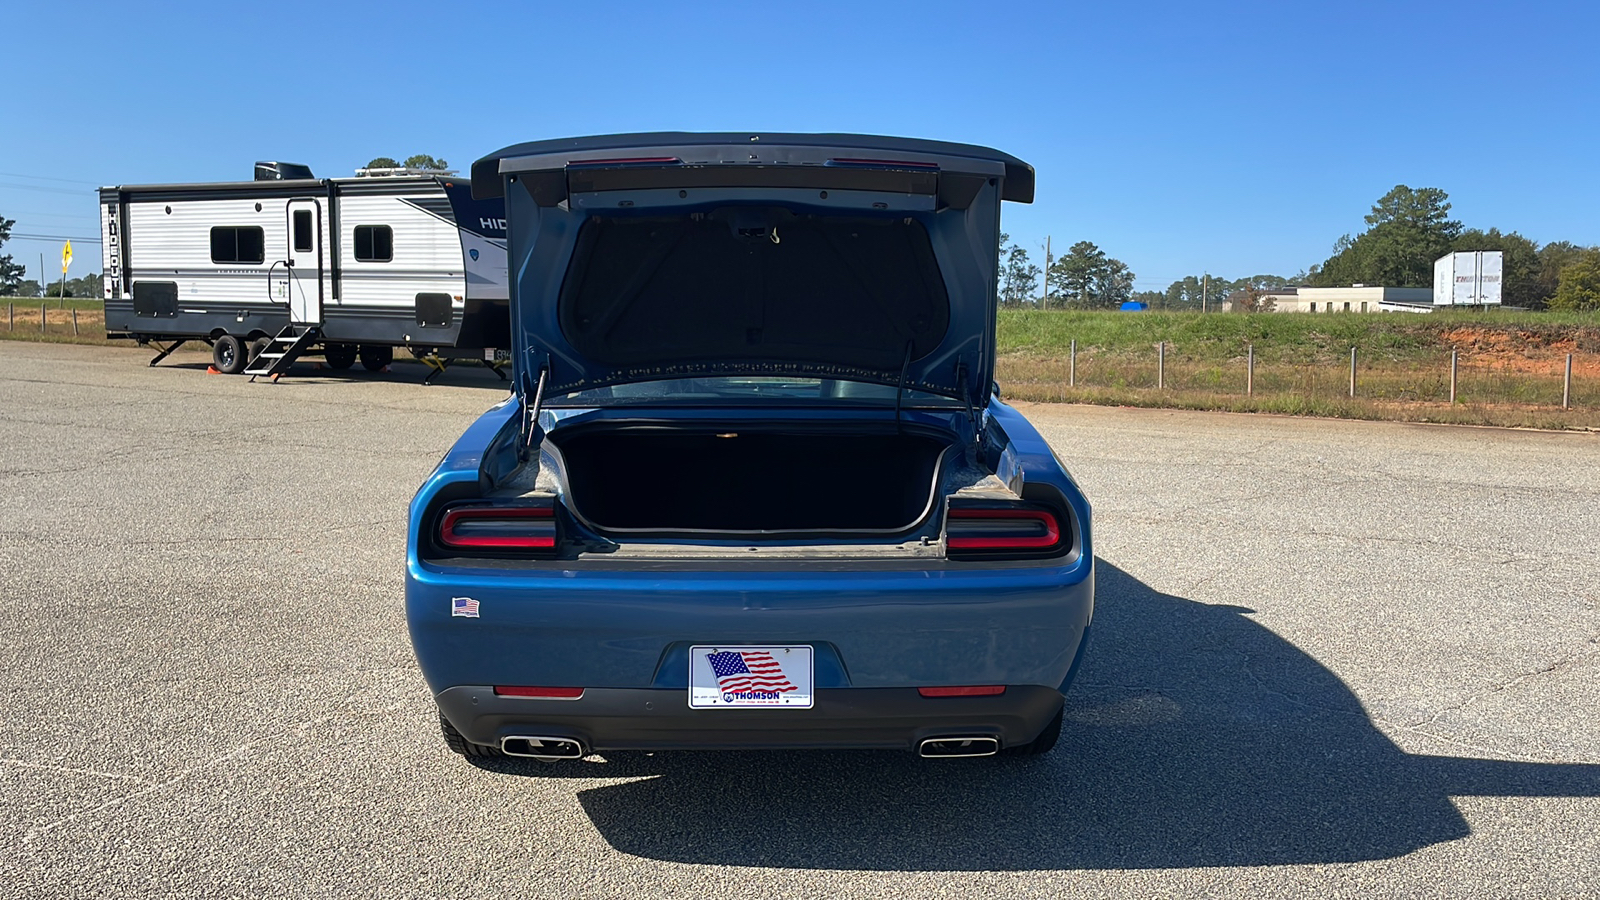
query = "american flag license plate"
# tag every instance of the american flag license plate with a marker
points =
(724, 677)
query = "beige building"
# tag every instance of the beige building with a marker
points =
(1357, 298)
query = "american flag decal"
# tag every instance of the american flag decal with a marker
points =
(465, 607)
(748, 671)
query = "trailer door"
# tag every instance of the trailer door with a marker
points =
(304, 262)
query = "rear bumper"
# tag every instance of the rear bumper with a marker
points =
(660, 719)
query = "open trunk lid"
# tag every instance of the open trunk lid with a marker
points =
(850, 257)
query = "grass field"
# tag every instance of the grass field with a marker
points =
(1510, 366)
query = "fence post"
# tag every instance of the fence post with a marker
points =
(1250, 371)
(1072, 364)
(74, 321)
(11, 316)
(1161, 365)
(1352, 373)
(1566, 385)
(1452, 377)
(41, 318)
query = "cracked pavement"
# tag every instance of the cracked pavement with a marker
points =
(1329, 659)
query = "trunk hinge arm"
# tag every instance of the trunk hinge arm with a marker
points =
(900, 388)
(972, 411)
(532, 400)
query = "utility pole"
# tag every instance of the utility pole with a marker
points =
(1044, 301)
(1205, 285)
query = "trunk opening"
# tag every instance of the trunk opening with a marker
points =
(663, 480)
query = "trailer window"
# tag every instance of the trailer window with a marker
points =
(374, 243)
(238, 244)
(302, 231)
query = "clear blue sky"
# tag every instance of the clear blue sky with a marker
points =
(1236, 138)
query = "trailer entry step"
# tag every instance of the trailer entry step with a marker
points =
(282, 351)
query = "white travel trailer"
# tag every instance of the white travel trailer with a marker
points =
(267, 270)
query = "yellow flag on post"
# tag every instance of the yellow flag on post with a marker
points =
(66, 256)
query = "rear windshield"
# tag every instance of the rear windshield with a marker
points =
(752, 390)
(754, 284)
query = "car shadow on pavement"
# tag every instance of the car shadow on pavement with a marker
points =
(1194, 737)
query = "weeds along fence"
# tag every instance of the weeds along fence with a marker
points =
(1163, 375)
(29, 317)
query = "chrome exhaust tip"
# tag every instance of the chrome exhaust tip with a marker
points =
(545, 748)
(957, 747)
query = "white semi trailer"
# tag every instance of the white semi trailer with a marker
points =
(1469, 278)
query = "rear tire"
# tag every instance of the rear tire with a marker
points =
(459, 744)
(376, 357)
(258, 347)
(228, 355)
(1045, 742)
(339, 356)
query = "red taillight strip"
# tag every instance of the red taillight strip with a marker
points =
(448, 536)
(981, 690)
(1051, 536)
(538, 693)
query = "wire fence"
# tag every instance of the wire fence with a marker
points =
(43, 318)
(1555, 380)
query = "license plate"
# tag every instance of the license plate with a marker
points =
(722, 677)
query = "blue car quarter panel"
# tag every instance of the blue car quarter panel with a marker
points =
(751, 411)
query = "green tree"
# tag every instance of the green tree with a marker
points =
(383, 162)
(10, 272)
(1075, 276)
(1152, 299)
(28, 288)
(1553, 257)
(1018, 277)
(424, 161)
(1580, 283)
(1520, 284)
(1408, 229)
(1197, 292)
(1113, 285)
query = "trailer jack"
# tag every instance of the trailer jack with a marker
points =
(165, 351)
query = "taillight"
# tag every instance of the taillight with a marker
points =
(493, 527)
(539, 693)
(973, 690)
(1002, 529)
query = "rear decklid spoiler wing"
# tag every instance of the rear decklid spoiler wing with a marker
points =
(736, 159)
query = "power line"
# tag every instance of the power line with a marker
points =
(48, 178)
(78, 192)
(55, 237)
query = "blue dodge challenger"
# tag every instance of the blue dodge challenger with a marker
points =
(754, 487)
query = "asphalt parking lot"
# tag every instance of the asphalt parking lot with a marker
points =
(1332, 659)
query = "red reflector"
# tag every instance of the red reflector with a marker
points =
(543, 693)
(980, 690)
(499, 527)
(1027, 519)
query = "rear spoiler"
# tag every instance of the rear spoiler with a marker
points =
(551, 171)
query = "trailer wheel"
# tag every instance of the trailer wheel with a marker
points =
(376, 357)
(258, 347)
(339, 356)
(228, 354)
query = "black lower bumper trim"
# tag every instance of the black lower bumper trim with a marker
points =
(655, 719)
